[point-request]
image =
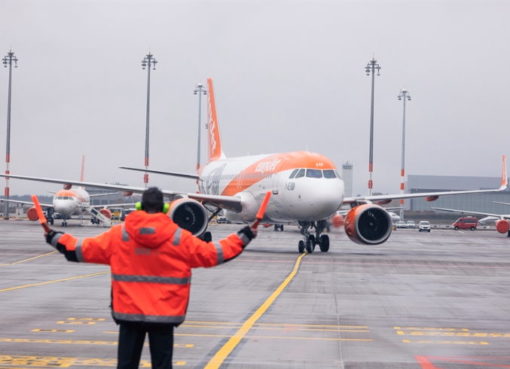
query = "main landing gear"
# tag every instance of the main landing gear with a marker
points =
(312, 232)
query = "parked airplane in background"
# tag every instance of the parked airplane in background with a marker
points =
(71, 201)
(306, 189)
(502, 220)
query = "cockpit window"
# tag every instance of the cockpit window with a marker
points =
(329, 173)
(300, 174)
(294, 172)
(314, 173)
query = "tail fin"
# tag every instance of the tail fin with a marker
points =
(215, 151)
(504, 178)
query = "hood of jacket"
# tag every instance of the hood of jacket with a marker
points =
(149, 230)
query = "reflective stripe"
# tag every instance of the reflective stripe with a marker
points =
(177, 237)
(147, 230)
(149, 318)
(79, 250)
(244, 239)
(125, 235)
(55, 239)
(219, 252)
(150, 279)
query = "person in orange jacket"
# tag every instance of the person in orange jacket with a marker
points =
(150, 259)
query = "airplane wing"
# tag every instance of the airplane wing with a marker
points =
(26, 203)
(499, 216)
(120, 205)
(174, 174)
(225, 202)
(429, 196)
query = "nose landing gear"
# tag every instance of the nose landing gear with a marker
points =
(312, 232)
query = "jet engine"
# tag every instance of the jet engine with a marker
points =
(189, 214)
(368, 224)
(337, 220)
(106, 213)
(32, 214)
(502, 226)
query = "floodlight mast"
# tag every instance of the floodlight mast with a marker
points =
(404, 96)
(199, 90)
(370, 69)
(9, 60)
(148, 62)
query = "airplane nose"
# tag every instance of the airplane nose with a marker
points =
(319, 199)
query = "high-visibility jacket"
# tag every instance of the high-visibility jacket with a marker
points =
(150, 259)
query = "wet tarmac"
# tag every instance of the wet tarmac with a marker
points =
(421, 300)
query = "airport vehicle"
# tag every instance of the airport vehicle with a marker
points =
(465, 223)
(401, 224)
(222, 220)
(306, 189)
(411, 224)
(424, 226)
(502, 220)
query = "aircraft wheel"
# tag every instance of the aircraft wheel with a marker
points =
(301, 246)
(207, 236)
(324, 243)
(310, 244)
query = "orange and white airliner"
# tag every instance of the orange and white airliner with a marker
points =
(306, 189)
(68, 202)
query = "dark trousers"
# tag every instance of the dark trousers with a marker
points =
(131, 338)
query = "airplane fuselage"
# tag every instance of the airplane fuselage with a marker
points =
(71, 202)
(305, 186)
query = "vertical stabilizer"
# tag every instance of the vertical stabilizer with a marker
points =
(504, 176)
(215, 151)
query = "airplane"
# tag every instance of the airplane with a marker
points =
(306, 189)
(502, 220)
(71, 201)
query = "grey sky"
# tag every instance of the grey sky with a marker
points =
(289, 75)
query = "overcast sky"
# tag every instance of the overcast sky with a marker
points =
(289, 75)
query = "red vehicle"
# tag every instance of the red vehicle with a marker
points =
(466, 223)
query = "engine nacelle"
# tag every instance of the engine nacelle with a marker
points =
(502, 226)
(32, 214)
(337, 220)
(189, 214)
(368, 224)
(106, 213)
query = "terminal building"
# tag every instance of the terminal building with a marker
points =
(484, 202)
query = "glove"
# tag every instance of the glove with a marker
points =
(247, 233)
(50, 235)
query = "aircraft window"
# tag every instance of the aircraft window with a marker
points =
(300, 174)
(293, 174)
(314, 173)
(330, 173)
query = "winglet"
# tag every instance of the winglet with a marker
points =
(215, 151)
(504, 177)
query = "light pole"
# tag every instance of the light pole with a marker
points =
(199, 90)
(404, 96)
(148, 62)
(8, 60)
(370, 69)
